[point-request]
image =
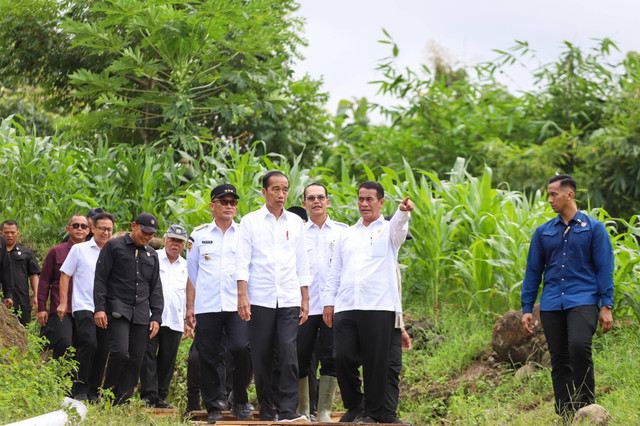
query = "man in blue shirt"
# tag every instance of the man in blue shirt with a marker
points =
(573, 251)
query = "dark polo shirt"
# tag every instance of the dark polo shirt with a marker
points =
(127, 281)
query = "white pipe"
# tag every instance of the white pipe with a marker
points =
(55, 418)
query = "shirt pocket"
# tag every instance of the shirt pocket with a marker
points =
(146, 264)
(379, 246)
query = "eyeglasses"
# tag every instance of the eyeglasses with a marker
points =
(225, 202)
(312, 198)
(103, 229)
(79, 225)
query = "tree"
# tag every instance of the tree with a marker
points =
(204, 68)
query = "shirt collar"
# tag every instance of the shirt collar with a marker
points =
(215, 226)
(266, 212)
(380, 219)
(329, 223)
(579, 217)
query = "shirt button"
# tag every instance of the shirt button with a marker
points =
(563, 266)
(562, 294)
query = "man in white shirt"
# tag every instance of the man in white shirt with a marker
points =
(162, 350)
(272, 271)
(321, 235)
(91, 342)
(211, 258)
(362, 293)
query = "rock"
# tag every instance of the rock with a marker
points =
(12, 333)
(593, 414)
(525, 371)
(512, 343)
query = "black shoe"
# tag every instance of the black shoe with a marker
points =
(221, 404)
(250, 407)
(367, 420)
(241, 412)
(93, 397)
(214, 416)
(81, 397)
(351, 415)
(148, 402)
(161, 403)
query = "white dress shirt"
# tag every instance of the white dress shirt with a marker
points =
(320, 244)
(211, 258)
(174, 290)
(81, 265)
(363, 271)
(272, 258)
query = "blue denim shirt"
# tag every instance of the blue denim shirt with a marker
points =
(576, 261)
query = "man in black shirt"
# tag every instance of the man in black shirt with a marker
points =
(6, 277)
(24, 268)
(127, 286)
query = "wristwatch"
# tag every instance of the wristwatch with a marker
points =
(608, 306)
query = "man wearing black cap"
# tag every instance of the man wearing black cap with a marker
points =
(211, 262)
(127, 286)
(93, 212)
(162, 350)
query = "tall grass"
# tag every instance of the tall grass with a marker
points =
(470, 237)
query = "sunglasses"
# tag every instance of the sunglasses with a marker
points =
(312, 198)
(79, 225)
(224, 202)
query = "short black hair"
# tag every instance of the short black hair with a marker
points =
(265, 179)
(76, 215)
(304, 193)
(565, 180)
(372, 184)
(104, 215)
(9, 222)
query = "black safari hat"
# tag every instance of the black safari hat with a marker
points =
(299, 211)
(148, 222)
(94, 212)
(224, 189)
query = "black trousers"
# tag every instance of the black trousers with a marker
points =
(23, 312)
(92, 349)
(159, 363)
(363, 337)
(569, 333)
(127, 345)
(61, 333)
(393, 377)
(308, 332)
(210, 328)
(270, 330)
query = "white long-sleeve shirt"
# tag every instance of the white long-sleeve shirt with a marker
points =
(174, 290)
(321, 244)
(272, 258)
(81, 265)
(211, 259)
(363, 271)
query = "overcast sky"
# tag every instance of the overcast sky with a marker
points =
(343, 48)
